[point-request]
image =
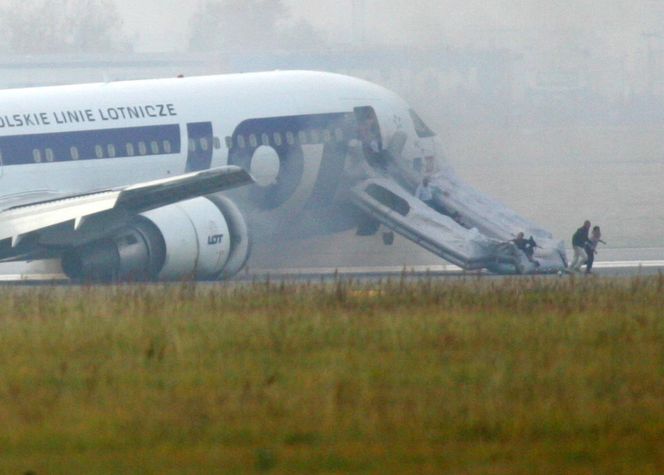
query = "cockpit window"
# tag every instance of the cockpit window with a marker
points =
(421, 128)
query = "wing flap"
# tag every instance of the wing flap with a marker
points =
(18, 221)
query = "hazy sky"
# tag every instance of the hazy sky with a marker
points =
(163, 25)
(168, 27)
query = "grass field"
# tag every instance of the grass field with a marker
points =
(477, 376)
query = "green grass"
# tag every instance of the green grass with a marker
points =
(478, 376)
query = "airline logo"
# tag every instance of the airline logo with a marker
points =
(215, 239)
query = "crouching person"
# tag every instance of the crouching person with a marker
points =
(527, 246)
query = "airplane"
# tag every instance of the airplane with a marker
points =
(167, 179)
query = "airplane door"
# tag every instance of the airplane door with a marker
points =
(201, 142)
(368, 132)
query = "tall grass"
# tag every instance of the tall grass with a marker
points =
(476, 376)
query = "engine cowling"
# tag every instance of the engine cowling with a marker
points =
(240, 238)
(203, 238)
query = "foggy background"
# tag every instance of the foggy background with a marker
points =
(555, 108)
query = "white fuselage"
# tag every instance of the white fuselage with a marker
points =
(49, 114)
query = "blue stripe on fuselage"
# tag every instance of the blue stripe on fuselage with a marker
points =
(90, 144)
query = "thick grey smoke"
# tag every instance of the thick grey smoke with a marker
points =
(248, 26)
(616, 28)
(507, 57)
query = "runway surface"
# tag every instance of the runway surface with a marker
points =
(613, 268)
(624, 268)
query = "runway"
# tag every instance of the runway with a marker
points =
(624, 268)
(625, 262)
(621, 264)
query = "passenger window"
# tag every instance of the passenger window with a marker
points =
(338, 134)
(240, 141)
(99, 151)
(290, 138)
(36, 155)
(192, 145)
(142, 149)
(0, 157)
(73, 151)
(166, 144)
(154, 147)
(217, 143)
(130, 150)
(277, 138)
(205, 145)
(315, 136)
(327, 136)
(302, 137)
(265, 140)
(49, 155)
(253, 142)
(110, 150)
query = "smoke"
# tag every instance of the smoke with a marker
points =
(506, 61)
(616, 28)
(66, 26)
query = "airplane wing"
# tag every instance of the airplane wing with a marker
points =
(18, 220)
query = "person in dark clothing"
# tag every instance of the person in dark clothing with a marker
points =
(579, 241)
(527, 246)
(591, 247)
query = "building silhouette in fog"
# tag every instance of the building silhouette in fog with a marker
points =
(453, 87)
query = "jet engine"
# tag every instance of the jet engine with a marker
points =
(203, 238)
